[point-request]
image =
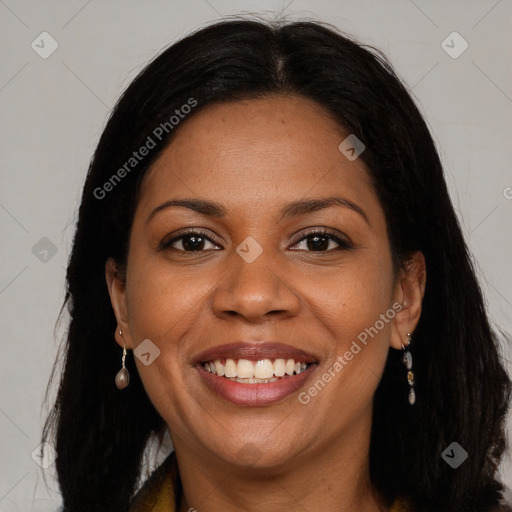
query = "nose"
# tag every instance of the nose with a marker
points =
(256, 291)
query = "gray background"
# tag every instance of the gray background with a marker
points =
(53, 111)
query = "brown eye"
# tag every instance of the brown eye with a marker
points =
(192, 241)
(318, 243)
(322, 241)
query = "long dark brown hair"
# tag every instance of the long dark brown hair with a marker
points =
(462, 388)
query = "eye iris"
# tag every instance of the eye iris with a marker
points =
(317, 243)
(314, 242)
(193, 243)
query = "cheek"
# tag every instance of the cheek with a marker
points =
(161, 302)
(349, 298)
(163, 306)
(365, 321)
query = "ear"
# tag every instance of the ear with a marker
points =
(116, 284)
(409, 292)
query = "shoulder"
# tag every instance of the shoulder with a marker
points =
(160, 490)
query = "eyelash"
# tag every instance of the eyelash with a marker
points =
(323, 232)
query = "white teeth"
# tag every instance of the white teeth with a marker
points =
(263, 369)
(219, 367)
(245, 369)
(253, 372)
(254, 381)
(279, 367)
(230, 368)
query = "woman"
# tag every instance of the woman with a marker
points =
(266, 233)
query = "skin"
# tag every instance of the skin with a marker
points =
(252, 157)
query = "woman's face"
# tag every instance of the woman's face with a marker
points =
(259, 273)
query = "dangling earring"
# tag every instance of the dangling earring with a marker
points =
(123, 376)
(407, 360)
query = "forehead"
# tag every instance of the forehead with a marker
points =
(257, 151)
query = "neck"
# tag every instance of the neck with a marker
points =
(334, 478)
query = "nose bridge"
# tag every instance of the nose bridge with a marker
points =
(254, 284)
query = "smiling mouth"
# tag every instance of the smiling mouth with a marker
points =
(261, 371)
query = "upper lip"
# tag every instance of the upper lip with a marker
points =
(255, 351)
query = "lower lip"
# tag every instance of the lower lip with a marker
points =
(255, 394)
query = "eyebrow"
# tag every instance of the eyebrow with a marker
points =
(292, 209)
